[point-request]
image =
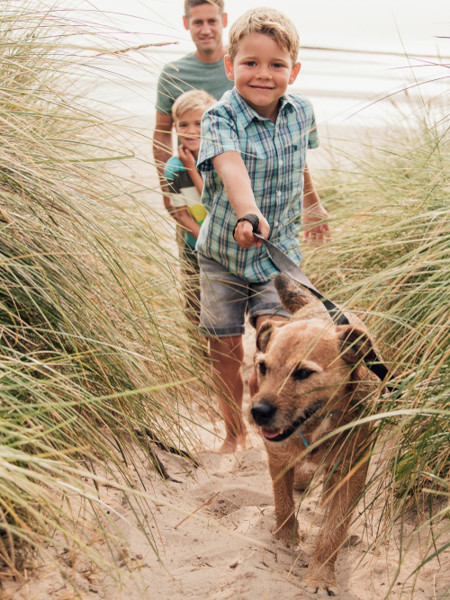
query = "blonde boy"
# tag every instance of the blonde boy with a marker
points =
(185, 186)
(253, 161)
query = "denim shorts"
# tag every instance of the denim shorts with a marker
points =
(226, 298)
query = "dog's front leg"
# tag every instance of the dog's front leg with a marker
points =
(340, 495)
(283, 491)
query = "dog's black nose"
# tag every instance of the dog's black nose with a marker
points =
(263, 413)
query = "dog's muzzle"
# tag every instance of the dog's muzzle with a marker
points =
(264, 412)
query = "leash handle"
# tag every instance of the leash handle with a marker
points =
(252, 219)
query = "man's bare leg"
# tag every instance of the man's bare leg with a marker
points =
(227, 355)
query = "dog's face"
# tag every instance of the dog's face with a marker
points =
(304, 369)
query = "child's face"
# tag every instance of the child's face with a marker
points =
(261, 71)
(188, 128)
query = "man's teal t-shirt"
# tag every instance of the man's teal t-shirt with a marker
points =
(188, 73)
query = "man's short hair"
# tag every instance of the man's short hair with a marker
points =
(188, 4)
(191, 100)
(270, 22)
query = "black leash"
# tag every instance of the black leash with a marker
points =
(287, 266)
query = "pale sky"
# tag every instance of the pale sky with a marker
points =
(390, 25)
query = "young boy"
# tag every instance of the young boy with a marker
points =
(185, 185)
(253, 160)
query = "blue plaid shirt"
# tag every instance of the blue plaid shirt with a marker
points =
(275, 156)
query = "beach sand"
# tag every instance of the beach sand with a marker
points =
(213, 530)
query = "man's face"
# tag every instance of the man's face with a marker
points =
(205, 24)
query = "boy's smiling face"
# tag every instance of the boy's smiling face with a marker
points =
(261, 71)
(188, 127)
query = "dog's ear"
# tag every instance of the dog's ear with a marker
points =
(291, 295)
(355, 344)
(264, 333)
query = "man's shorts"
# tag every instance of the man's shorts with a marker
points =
(225, 298)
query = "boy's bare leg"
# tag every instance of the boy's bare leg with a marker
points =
(253, 383)
(227, 355)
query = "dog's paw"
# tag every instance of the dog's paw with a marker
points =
(321, 592)
(322, 582)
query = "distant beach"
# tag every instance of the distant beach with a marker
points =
(346, 87)
(357, 96)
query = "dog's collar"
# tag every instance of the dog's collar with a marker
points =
(289, 431)
(304, 440)
(309, 412)
(330, 414)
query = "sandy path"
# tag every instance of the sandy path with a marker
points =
(213, 529)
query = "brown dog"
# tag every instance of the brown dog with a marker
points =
(312, 380)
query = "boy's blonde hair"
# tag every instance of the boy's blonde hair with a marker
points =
(270, 22)
(191, 100)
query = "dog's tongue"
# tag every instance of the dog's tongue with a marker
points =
(270, 434)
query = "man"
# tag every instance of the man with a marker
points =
(202, 69)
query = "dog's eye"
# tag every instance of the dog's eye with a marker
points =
(300, 374)
(262, 368)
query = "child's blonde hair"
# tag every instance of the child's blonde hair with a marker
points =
(270, 22)
(191, 100)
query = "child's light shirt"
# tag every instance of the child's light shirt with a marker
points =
(183, 193)
(275, 156)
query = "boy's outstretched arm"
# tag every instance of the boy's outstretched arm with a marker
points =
(315, 225)
(232, 172)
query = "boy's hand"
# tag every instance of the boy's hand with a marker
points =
(186, 157)
(315, 225)
(243, 234)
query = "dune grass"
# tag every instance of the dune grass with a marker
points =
(389, 260)
(93, 346)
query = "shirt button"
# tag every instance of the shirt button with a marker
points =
(279, 193)
(281, 163)
(276, 223)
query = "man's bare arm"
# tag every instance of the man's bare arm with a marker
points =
(162, 151)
